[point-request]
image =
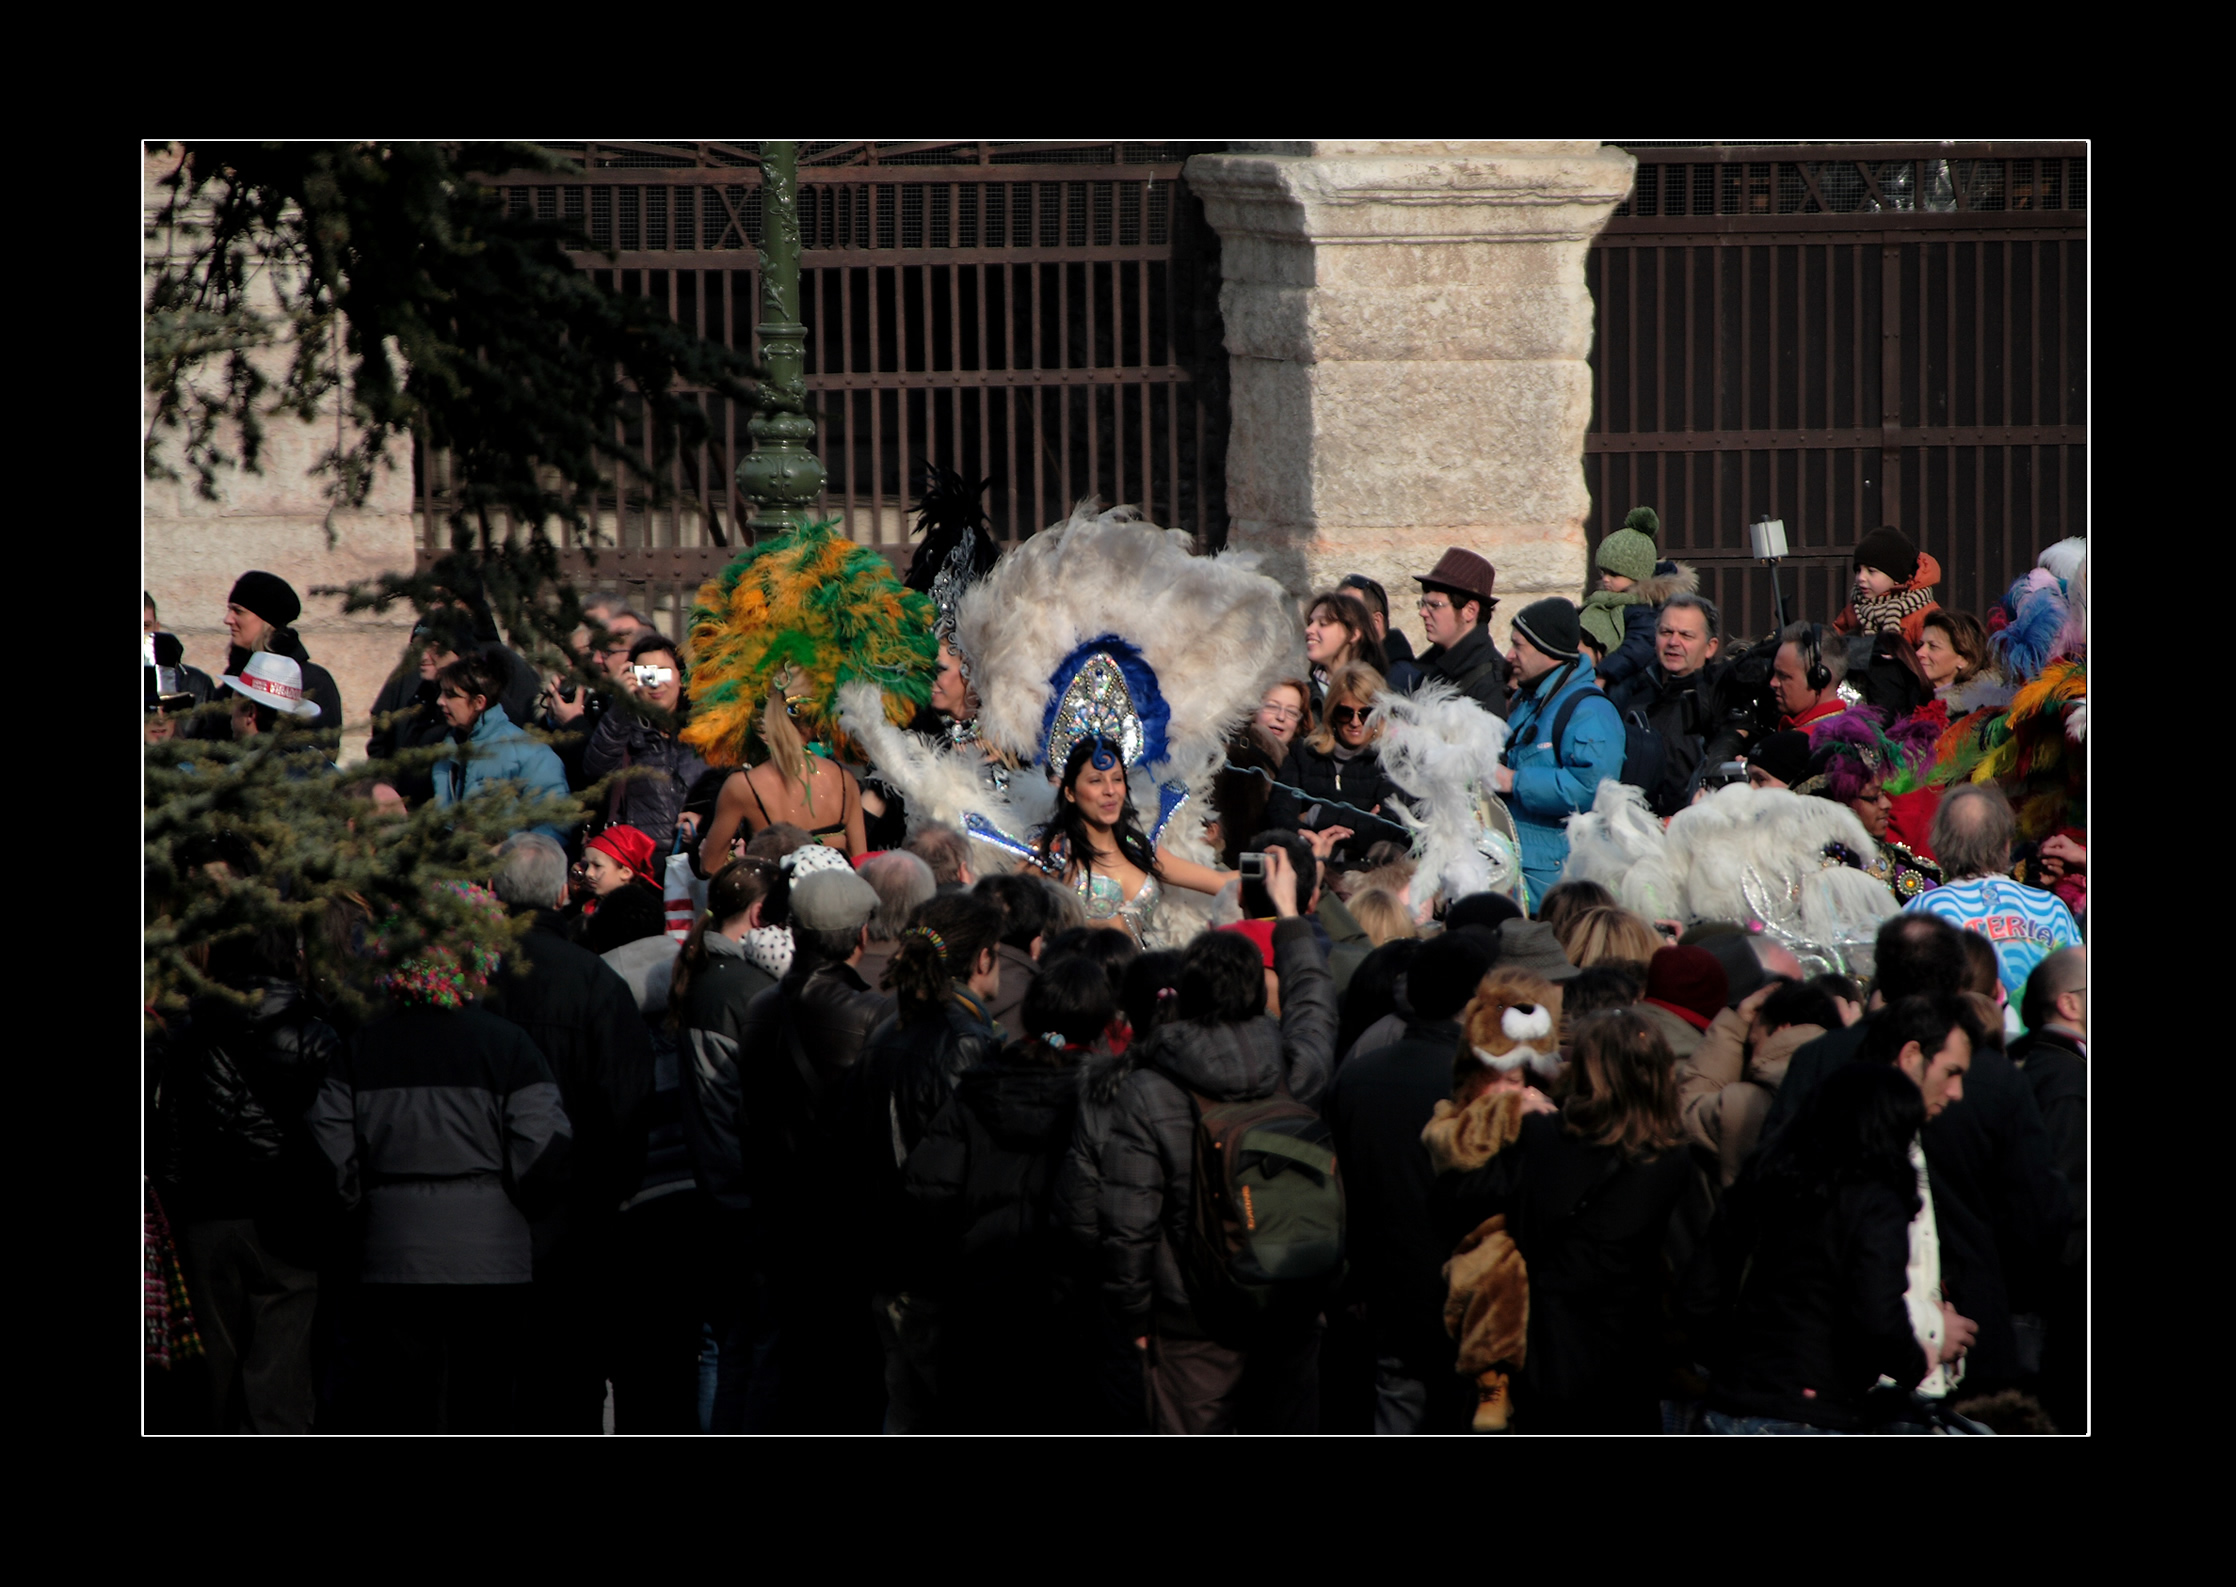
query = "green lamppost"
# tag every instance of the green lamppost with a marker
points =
(781, 476)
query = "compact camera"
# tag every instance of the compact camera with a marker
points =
(653, 677)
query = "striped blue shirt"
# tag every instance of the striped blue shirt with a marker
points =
(2025, 924)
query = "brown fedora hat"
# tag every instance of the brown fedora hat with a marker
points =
(1463, 572)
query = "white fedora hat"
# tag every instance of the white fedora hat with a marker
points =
(275, 681)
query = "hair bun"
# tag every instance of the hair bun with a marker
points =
(1644, 520)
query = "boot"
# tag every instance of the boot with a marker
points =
(1494, 1407)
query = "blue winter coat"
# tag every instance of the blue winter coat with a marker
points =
(502, 752)
(1549, 785)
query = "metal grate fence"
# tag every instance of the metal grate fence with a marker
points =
(1844, 337)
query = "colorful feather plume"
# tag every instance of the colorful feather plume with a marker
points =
(814, 608)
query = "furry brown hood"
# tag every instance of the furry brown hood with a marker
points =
(1652, 592)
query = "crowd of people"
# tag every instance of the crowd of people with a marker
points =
(1065, 1046)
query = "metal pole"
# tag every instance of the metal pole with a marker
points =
(781, 476)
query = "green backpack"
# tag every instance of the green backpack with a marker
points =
(1265, 1242)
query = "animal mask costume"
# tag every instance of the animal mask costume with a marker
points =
(1513, 1021)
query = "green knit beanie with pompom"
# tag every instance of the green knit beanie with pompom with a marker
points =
(1630, 551)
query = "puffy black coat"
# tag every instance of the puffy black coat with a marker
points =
(1147, 1165)
(1015, 1296)
(1814, 1289)
(1377, 1108)
(233, 1138)
(790, 1102)
(633, 910)
(446, 1125)
(713, 1019)
(1324, 776)
(584, 1020)
(907, 1073)
(1591, 1226)
(649, 802)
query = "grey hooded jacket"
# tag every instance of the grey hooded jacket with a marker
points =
(1145, 1167)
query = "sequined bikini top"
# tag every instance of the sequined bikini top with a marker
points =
(1104, 901)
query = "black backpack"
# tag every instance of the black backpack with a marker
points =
(1265, 1238)
(1645, 755)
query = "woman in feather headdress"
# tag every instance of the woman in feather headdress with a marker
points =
(777, 635)
(1104, 639)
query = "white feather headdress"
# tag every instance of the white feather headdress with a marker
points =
(1215, 631)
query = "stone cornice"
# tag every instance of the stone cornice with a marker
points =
(1412, 194)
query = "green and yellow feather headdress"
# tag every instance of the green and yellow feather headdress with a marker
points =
(814, 611)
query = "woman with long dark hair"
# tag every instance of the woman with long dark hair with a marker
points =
(1586, 1186)
(1338, 633)
(1096, 845)
(1814, 1250)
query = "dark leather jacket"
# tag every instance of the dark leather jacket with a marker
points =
(235, 1089)
(789, 1088)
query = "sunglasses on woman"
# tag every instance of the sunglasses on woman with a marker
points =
(1344, 715)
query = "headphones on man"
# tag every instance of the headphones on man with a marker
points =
(1816, 675)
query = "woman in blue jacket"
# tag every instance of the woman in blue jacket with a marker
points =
(496, 748)
(1542, 781)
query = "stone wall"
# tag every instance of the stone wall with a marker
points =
(1407, 325)
(192, 549)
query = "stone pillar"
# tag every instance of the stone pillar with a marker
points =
(193, 548)
(1407, 324)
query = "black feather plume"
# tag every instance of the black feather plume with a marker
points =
(947, 512)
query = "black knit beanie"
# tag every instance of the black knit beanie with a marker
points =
(1890, 551)
(267, 595)
(1550, 625)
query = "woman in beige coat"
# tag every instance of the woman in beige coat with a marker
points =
(1728, 1083)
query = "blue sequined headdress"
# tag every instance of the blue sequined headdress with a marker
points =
(1104, 689)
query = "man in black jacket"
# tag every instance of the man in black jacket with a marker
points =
(799, 1038)
(2052, 1057)
(1456, 607)
(583, 1019)
(241, 1175)
(1224, 1048)
(1379, 1105)
(1677, 695)
(2001, 1204)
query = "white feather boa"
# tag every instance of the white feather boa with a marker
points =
(941, 785)
(1440, 749)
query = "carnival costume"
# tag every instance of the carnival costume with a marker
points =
(1103, 626)
(1849, 752)
(1784, 863)
(812, 613)
(956, 553)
